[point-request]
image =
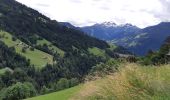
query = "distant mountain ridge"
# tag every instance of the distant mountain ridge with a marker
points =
(110, 30)
(136, 40)
(149, 38)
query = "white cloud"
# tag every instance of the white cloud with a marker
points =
(86, 12)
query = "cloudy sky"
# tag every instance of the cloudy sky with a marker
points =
(141, 13)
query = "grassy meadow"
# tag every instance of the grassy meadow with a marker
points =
(131, 82)
(37, 57)
(61, 95)
(51, 46)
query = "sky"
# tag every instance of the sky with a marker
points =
(141, 13)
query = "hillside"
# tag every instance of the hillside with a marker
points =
(39, 55)
(61, 95)
(27, 23)
(136, 40)
(131, 81)
(150, 38)
(42, 59)
(9, 58)
(36, 57)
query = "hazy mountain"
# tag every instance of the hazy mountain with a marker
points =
(149, 38)
(136, 40)
(109, 30)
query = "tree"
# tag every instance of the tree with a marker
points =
(14, 38)
(44, 90)
(62, 84)
(19, 91)
(73, 82)
(32, 48)
(23, 50)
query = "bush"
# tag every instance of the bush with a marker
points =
(62, 84)
(32, 48)
(14, 38)
(19, 91)
(73, 82)
(23, 50)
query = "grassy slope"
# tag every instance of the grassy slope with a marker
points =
(37, 57)
(96, 51)
(61, 95)
(132, 82)
(51, 47)
(99, 52)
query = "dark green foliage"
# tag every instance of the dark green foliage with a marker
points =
(9, 58)
(14, 38)
(24, 50)
(105, 68)
(73, 82)
(62, 84)
(44, 90)
(19, 91)
(32, 48)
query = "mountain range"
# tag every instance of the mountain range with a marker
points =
(136, 40)
(39, 55)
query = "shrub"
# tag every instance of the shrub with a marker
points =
(19, 91)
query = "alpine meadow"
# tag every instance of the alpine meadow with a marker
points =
(84, 50)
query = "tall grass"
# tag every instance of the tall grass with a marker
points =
(132, 82)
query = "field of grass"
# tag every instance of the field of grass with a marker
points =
(131, 82)
(37, 57)
(96, 51)
(61, 95)
(51, 47)
(99, 52)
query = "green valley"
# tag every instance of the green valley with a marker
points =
(43, 59)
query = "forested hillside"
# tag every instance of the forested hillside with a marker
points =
(39, 55)
(9, 58)
(25, 23)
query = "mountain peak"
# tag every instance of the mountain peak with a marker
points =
(113, 24)
(109, 24)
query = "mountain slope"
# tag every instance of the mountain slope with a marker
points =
(131, 82)
(9, 58)
(25, 22)
(150, 38)
(61, 95)
(37, 58)
(137, 41)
